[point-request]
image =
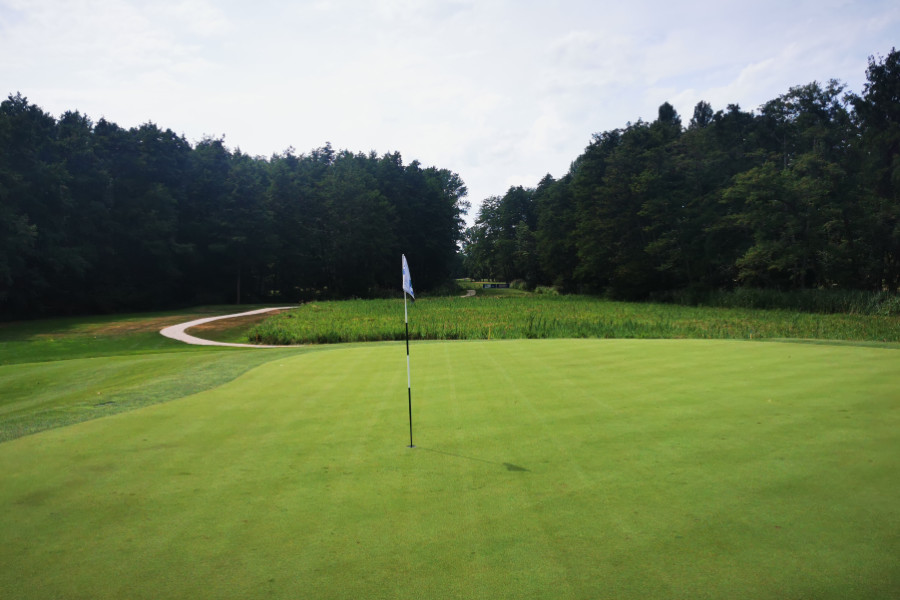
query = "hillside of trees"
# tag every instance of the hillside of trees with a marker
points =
(97, 218)
(803, 193)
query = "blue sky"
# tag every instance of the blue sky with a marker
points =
(500, 91)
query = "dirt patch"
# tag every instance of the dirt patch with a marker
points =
(224, 336)
(108, 328)
(228, 325)
(134, 325)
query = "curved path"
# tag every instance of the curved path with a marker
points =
(177, 332)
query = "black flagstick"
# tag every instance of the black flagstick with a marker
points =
(408, 384)
(407, 289)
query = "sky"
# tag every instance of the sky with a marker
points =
(501, 92)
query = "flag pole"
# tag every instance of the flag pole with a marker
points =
(407, 289)
(408, 383)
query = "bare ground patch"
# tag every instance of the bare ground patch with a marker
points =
(124, 327)
(225, 330)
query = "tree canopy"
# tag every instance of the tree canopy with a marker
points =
(94, 217)
(803, 193)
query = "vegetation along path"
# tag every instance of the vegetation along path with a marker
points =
(179, 332)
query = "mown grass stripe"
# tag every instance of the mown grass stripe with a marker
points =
(44, 395)
(665, 472)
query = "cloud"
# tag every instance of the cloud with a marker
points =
(196, 17)
(500, 91)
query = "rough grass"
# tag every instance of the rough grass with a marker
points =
(229, 330)
(57, 372)
(106, 335)
(44, 395)
(544, 469)
(514, 317)
(810, 300)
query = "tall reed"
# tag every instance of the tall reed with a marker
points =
(556, 317)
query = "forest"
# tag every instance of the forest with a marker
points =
(97, 218)
(801, 194)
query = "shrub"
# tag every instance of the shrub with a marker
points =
(806, 301)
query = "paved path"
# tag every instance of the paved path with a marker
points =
(177, 332)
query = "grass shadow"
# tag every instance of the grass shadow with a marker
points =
(508, 466)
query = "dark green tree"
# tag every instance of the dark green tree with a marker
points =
(34, 203)
(878, 117)
(792, 202)
(555, 234)
(703, 115)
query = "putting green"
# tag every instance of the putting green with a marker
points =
(543, 469)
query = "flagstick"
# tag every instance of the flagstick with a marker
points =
(408, 384)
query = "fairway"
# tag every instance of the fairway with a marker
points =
(542, 469)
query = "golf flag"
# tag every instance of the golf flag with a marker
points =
(407, 280)
(407, 289)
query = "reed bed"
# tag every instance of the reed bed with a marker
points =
(810, 300)
(556, 317)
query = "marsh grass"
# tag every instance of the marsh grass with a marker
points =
(547, 316)
(857, 302)
(232, 330)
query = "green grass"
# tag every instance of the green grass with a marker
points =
(544, 469)
(809, 300)
(57, 372)
(232, 330)
(44, 395)
(480, 290)
(516, 317)
(107, 335)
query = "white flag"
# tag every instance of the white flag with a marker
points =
(407, 280)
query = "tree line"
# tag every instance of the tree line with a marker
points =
(803, 193)
(95, 217)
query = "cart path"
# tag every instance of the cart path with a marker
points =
(177, 332)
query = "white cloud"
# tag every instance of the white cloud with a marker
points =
(501, 91)
(195, 17)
